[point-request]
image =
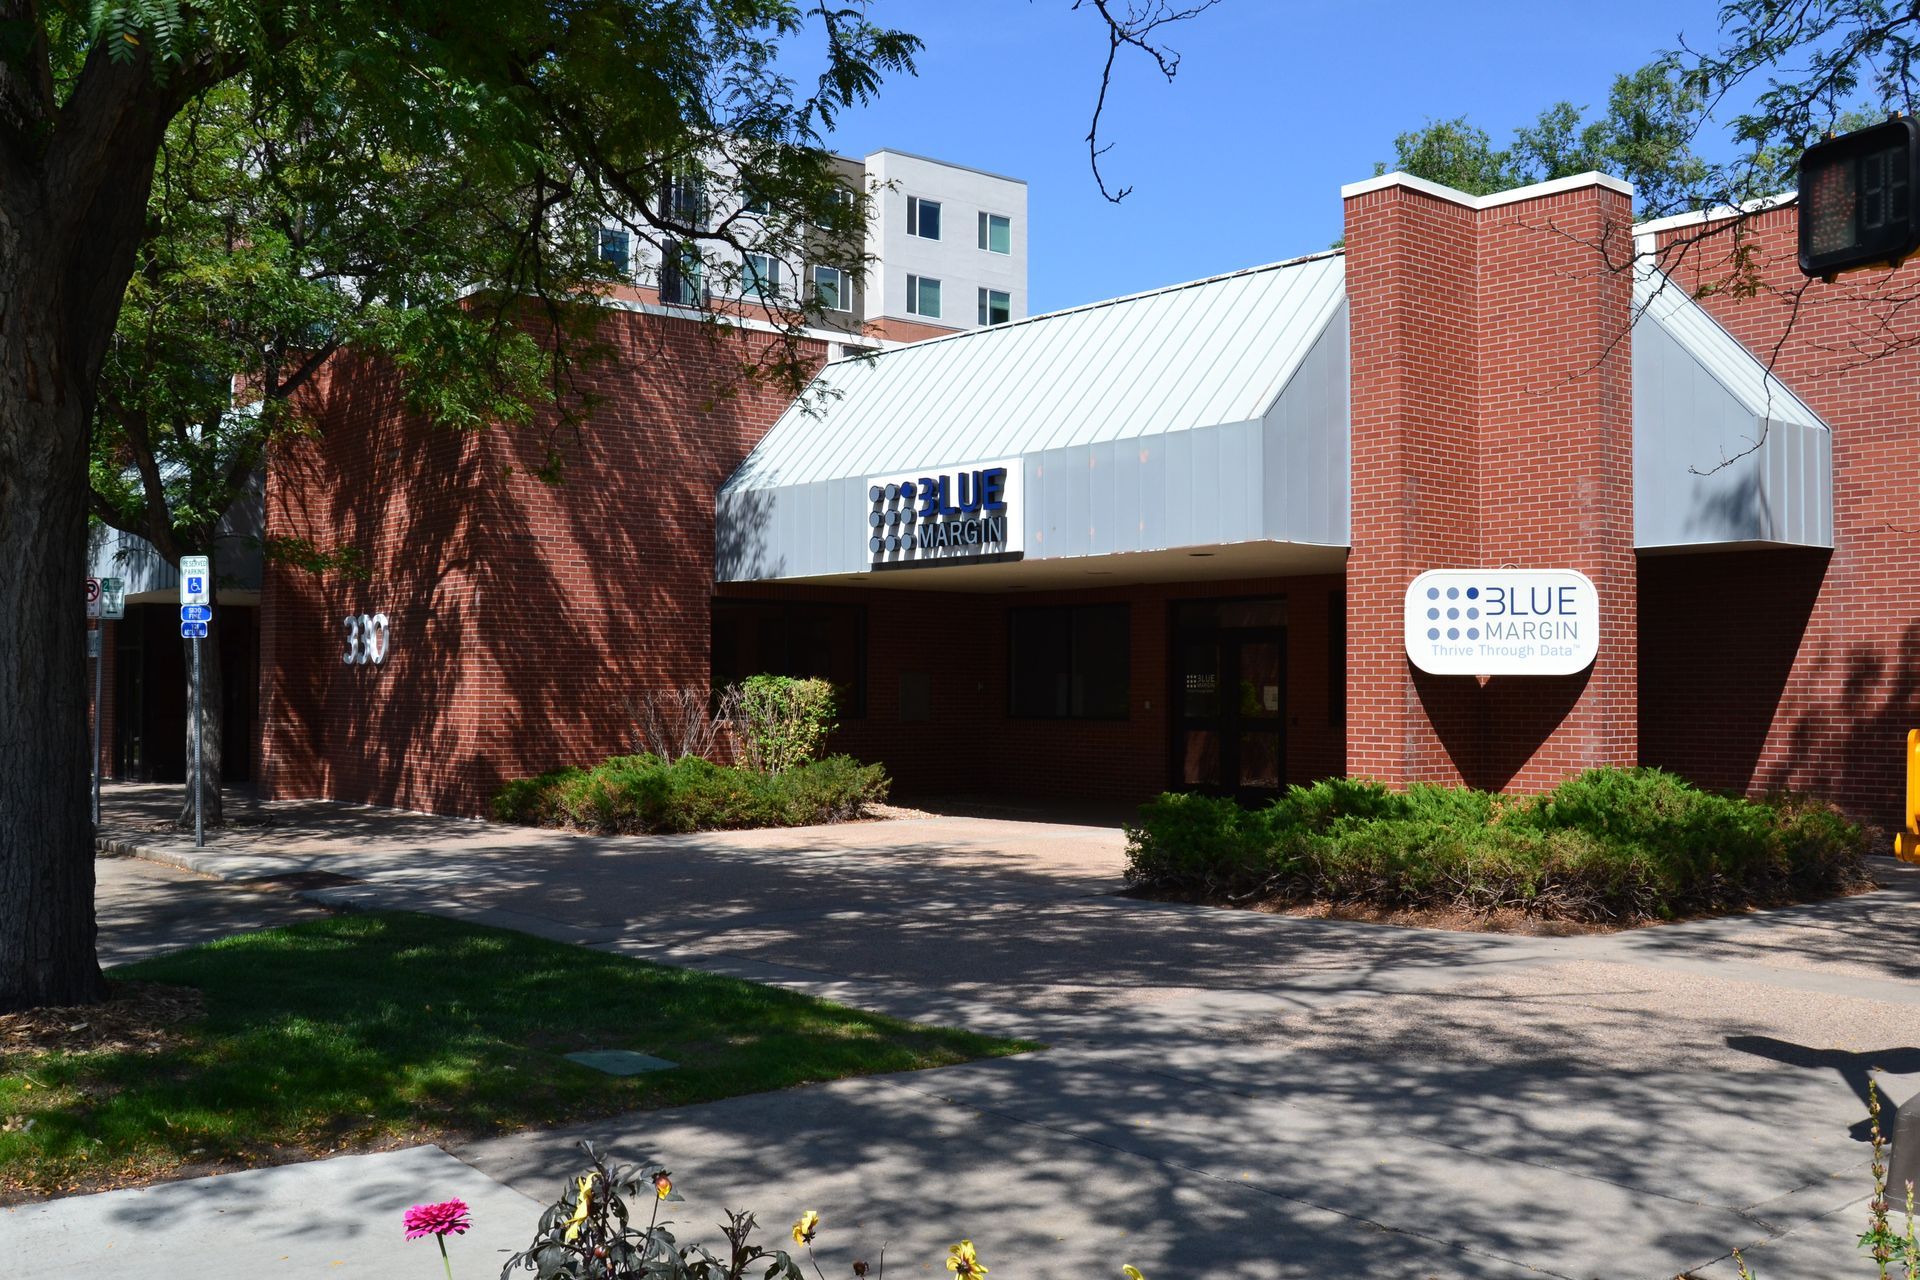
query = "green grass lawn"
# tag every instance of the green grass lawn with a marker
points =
(363, 1029)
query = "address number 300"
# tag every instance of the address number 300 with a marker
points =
(366, 639)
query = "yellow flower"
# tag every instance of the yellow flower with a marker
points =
(583, 1204)
(803, 1230)
(963, 1263)
(662, 1185)
(1131, 1272)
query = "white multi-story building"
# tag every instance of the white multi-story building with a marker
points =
(946, 250)
(949, 243)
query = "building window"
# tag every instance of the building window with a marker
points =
(616, 247)
(762, 276)
(996, 233)
(682, 275)
(996, 306)
(772, 637)
(683, 196)
(753, 200)
(831, 290)
(923, 218)
(1069, 663)
(841, 197)
(923, 297)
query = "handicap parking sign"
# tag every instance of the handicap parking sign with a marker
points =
(194, 575)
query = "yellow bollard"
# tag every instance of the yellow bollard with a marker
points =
(1906, 844)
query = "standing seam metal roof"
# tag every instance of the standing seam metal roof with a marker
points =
(1201, 354)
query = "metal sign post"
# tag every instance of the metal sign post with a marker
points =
(93, 652)
(199, 791)
(196, 598)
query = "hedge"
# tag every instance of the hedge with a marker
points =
(1612, 845)
(646, 794)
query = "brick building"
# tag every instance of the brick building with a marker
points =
(1171, 540)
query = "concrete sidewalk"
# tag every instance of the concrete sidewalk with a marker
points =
(1228, 1092)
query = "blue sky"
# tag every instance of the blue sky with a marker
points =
(1240, 160)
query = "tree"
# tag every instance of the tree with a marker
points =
(530, 116)
(1645, 138)
(589, 107)
(279, 233)
(1454, 153)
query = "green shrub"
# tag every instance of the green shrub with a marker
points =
(646, 794)
(1611, 844)
(782, 722)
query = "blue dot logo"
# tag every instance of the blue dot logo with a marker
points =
(875, 493)
(1453, 593)
(1453, 633)
(1433, 633)
(874, 544)
(1473, 633)
(893, 543)
(906, 490)
(1473, 593)
(1433, 593)
(1453, 615)
(1473, 613)
(1432, 614)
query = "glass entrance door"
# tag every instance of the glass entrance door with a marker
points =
(1229, 697)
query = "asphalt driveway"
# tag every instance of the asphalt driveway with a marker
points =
(1228, 1093)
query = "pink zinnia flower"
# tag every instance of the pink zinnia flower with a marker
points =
(444, 1219)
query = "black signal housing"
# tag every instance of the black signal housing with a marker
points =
(1858, 199)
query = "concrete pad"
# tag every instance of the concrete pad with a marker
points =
(620, 1062)
(329, 1218)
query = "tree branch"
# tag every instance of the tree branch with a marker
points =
(1135, 28)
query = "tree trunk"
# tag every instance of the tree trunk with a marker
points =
(213, 708)
(46, 829)
(73, 192)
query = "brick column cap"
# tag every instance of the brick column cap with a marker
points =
(1438, 191)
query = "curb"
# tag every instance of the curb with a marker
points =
(332, 898)
(115, 847)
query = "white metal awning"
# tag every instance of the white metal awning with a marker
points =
(1724, 454)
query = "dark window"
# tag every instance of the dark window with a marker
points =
(682, 275)
(923, 218)
(683, 196)
(1336, 658)
(1070, 662)
(616, 247)
(776, 637)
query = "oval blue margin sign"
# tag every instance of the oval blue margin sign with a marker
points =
(1502, 622)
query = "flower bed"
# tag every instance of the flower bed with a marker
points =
(1610, 846)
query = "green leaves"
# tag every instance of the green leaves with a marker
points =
(1644, 137)
(423, 186)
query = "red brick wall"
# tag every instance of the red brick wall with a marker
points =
(1492, 425)
(1812, 661)
(522, 613)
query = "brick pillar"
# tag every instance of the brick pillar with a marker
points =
(1412, 300)
(1492, 426)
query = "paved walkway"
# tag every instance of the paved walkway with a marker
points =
(1228, 1093)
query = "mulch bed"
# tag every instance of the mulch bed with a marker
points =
(143, 1017)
